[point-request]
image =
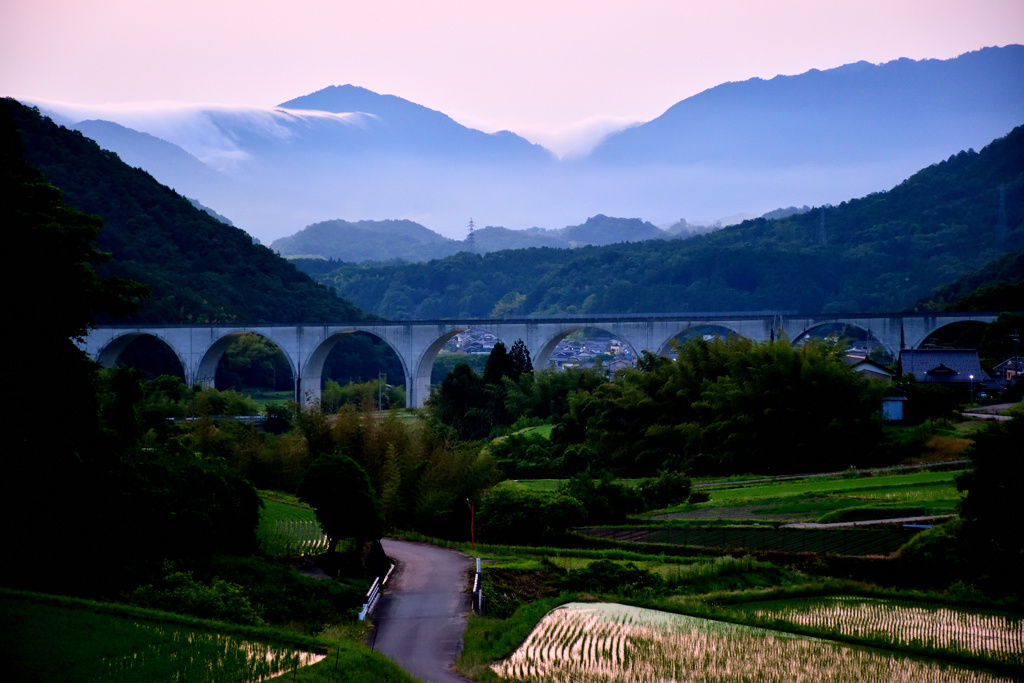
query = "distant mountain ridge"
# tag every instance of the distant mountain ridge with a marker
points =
(408, 241)
(885, 251)
(857, 111)
(413, 127)
(739, 148)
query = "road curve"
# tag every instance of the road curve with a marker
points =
(422, 613)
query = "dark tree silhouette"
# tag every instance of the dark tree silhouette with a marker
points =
(345, 502)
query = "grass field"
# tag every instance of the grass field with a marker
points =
(609, 643)
(828, 499)
(842, 541)
(266, 397)
(875, 496)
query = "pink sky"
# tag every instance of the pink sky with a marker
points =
(547, 69)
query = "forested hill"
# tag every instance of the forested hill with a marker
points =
(885, 251)
(998, 286)
(199, 269)
(368, 241)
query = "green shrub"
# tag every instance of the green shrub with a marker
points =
(283, 596)
(668, 488)
(605, 501)
(180, 592)
(511, 514)
(605, 576)
(698, 497)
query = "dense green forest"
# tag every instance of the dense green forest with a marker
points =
(197, 268)
(996, 286)
(882, 252)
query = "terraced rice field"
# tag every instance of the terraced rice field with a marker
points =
(289, 528)
(291, 537)
(609, 643)
(845, 541)
(55, 642)
(991, 635)
(209, 656)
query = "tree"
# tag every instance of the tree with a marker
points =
(460, 402)
(519, 361)
(730, 405)
(511, 514)
(992, 515)
(59, 294)
(346, 505)
(498, 365)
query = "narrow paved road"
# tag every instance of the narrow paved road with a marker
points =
(422, 614)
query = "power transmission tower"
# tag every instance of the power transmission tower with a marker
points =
(471, 238)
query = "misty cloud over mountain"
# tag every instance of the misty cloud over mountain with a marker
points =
(747, 147)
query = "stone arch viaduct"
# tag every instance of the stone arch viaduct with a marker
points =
(417, 343)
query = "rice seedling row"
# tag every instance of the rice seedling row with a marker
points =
(851, 541)
(996, 636)
(291, 537)
(608, 643)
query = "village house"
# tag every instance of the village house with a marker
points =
(955, 368)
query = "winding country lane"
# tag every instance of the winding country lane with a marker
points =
(422, 613)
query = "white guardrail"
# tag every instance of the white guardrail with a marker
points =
(478, 591)
(374, 593)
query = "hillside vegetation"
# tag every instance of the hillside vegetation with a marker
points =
(199, 269)
(881, 252)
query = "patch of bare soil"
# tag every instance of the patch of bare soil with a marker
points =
(523, 585)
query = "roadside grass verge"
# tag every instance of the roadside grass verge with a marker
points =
(488, 639)
(509, 556)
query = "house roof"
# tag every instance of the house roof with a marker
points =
(943, 365)
(860, 364)
(1011, 363)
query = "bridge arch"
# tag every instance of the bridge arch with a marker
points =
(819, 328)
(206, 369)
(542, 356)
(110, 354)
(312, 369)
(964, 333)
(418, 383)
(665, 349)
